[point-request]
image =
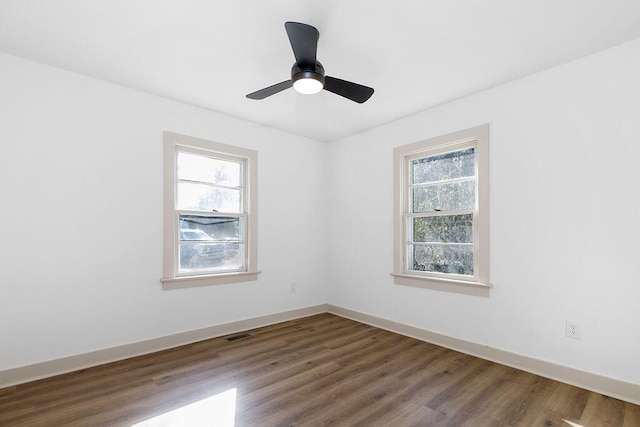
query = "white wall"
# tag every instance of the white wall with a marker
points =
(81, 217)
(565, 206)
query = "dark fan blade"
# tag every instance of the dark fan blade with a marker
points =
(271, 90)
(352, 91)
(304, 42)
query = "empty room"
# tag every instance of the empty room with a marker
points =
(279, 213)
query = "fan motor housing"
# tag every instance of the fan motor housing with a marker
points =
(315, 72)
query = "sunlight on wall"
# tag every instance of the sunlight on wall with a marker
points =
(217, 410)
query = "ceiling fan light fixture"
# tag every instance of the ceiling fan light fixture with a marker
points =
(308, 81)
(308, 85)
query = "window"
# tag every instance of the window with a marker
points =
(210, 212)
(441, 221)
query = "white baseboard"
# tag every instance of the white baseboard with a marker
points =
(622, 390)
(50, 368)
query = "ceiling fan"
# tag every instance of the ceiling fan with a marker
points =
(307, 74)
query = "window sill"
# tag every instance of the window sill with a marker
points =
(208, 279)
(446, 285)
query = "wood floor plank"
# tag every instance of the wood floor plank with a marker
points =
(603, 411)
(631, 415)
(318, 370)
(527, 399)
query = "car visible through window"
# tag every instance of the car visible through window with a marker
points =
(199, 250)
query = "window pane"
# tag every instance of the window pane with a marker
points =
(201, 197)
(210, 243)
(204, 228)
(205, 256)
(193, 167)
(444, 197)
(449, 228)
(457, 164)
(453, 259)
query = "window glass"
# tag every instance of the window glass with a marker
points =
(192, 167)
(452, 165)
(448, 259)
(210, 243)
(203, 197)
(444, 196)
(446, 228)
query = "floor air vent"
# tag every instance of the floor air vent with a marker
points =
(238, 337)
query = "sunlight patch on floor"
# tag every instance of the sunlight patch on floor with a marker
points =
(217, 410)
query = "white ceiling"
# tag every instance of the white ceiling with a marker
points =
(415, 53)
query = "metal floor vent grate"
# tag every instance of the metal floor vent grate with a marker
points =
(238, 337)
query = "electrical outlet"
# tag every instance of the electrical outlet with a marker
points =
(573, 330)
(292, 287)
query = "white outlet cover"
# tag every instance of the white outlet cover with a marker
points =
(573, 330)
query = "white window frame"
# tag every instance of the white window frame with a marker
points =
(174, 143)
(478, 284)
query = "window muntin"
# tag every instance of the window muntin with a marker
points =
(210, 211)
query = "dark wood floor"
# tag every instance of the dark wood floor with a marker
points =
(320, 370)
